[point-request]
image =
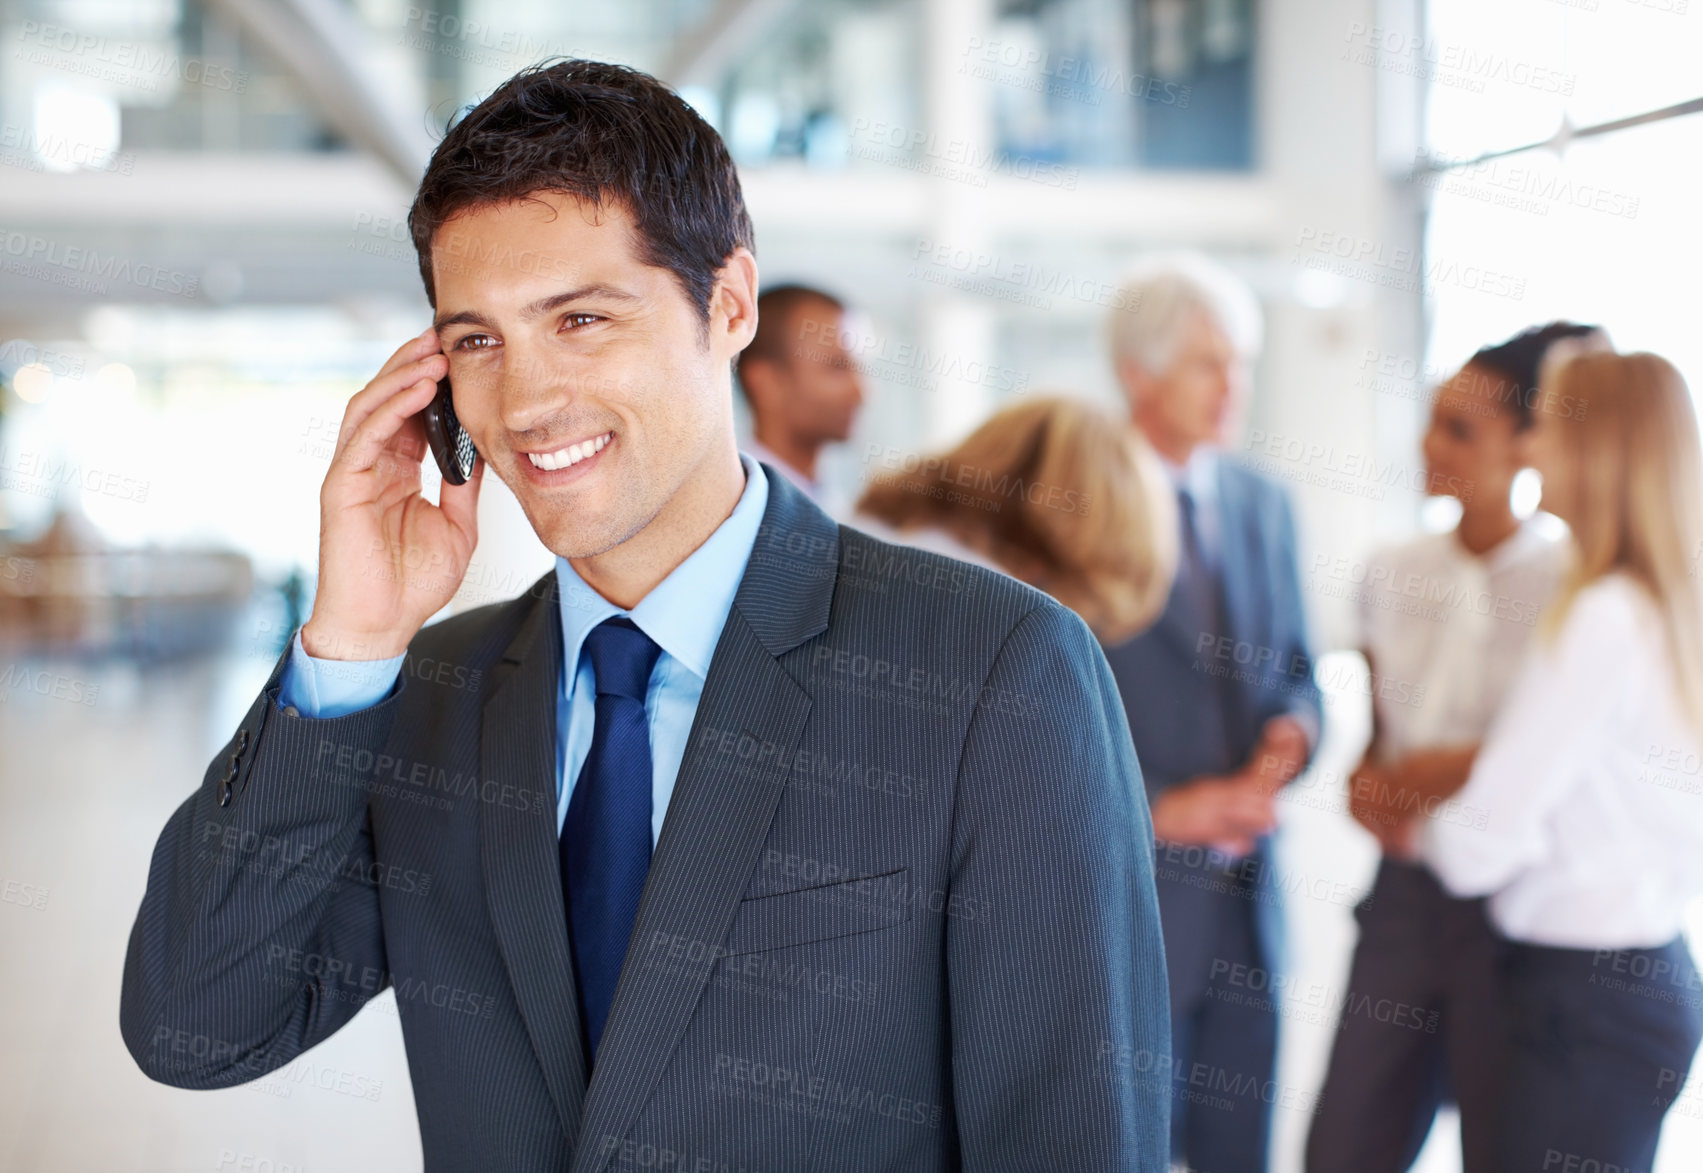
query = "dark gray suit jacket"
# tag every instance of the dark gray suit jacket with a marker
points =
(1169, 675)
(901, 915)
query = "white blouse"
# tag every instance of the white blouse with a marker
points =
(1446, 630)
(1591, 784)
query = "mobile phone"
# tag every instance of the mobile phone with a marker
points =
(451, 445)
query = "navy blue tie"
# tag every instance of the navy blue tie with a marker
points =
(605, 844)
(1199, 587)
(1195, 578)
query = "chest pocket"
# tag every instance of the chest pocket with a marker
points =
(820, 913)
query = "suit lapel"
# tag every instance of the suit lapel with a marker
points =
(1237, 536)
(724, 800)
(1235, 541)
(518, 851)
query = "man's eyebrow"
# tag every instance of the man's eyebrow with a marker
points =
(538, 308)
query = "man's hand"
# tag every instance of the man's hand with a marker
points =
(388, 558)
(1280, 754)
(1227, 814)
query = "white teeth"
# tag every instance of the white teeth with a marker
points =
(572, 454)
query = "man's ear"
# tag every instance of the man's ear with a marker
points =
(733, 303)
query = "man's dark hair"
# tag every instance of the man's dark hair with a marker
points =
(1520, 361)
(601, 133)
(773, 341)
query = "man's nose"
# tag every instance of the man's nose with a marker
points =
(527, 391)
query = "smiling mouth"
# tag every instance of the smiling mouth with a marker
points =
(571, 455)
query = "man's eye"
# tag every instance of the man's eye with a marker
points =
(577, 320)
(467, 342)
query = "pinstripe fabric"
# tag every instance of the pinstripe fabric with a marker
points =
(901, 915)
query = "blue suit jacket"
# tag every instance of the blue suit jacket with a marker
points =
(901, 913)
(1166, 676)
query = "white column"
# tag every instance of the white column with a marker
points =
(959, 327)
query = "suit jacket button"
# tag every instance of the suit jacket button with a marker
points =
(292, 711)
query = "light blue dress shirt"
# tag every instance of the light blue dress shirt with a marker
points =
(1200, 476)
(684, 614)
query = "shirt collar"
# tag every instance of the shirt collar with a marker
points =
(803, 483)
(1198, 474)
(685, 612)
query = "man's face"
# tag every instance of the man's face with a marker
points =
(821, 388)
(1191, 402)
(562, 344)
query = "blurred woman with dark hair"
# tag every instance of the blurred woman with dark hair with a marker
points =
(1485, 582)
(1052, 491)
(1592, 844)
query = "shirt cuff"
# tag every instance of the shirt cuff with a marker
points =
(334, 688)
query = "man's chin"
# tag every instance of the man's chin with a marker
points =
(582, 531)
(575, 541)
(573, 534)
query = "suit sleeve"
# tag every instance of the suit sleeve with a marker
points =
(1292, 689)
(259, 935)
(1059, 1011)
(333, 688)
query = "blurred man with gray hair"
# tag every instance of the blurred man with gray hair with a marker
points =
(1221, 702)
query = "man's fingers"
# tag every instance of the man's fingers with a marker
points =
(1251, 810)
(421, 344)
(460, 503)
(367, 442)
(1251, 788)
(432, 365)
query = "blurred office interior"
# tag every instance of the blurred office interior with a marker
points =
(203, 254)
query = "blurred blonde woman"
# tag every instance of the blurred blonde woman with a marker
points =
(1052, 491)
(1592, 841)
(1419, 946)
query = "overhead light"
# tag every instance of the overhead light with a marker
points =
(116, 378)
(74, 128)
(33, 383)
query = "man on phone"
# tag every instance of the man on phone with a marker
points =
(740, 841)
